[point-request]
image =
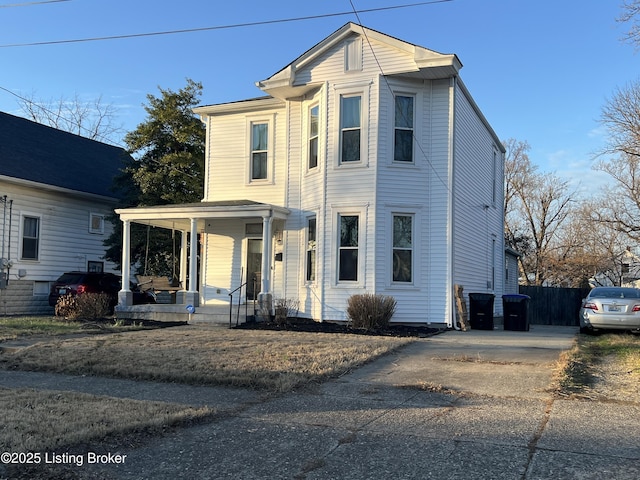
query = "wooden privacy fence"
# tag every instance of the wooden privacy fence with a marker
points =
(554, 306)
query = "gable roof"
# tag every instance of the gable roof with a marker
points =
(38, 153)
(427, 64)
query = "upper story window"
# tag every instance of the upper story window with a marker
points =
(350, 123)
(311, 249)
(30, 237)
(348, 248)
(402, 266)
(314, 123)
(259, 150)
(403, 129)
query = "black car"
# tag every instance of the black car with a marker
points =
(77, 283)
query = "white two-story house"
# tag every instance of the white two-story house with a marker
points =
(366, 168)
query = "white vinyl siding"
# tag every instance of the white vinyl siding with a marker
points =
(63, 239)
(478, 222)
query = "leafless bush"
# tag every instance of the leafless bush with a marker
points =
(285, 309)
(86, 306)
(369, 311)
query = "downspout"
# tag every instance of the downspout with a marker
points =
(450, 314)
(320, 266)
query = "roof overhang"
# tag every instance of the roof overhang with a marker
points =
(179, 216)
(428, 64)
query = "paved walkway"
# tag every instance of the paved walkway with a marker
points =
(461, 405)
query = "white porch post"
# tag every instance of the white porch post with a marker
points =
(125, 296)
(183, 260)
(265, 297)
(192, 296)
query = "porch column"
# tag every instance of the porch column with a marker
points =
(265, 297)
(125, 296)
(192, 296)
(183, 260)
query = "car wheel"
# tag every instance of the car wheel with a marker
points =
(587, 330)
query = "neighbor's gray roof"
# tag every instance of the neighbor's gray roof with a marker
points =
(38, 153)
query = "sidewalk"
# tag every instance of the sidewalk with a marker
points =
(461, 405)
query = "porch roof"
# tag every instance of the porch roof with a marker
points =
(179, 216)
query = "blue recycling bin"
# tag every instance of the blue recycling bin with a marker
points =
(516, 309)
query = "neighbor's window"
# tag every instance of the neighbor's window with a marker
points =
(350, 111)
(93, 266)
(348, 248)
(402, 248)
(403, 140)
(96, 223)
(313, 136)
(30, 237)
(259, 150)
(311, 249)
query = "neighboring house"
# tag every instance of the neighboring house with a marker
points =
(55, 196)
(511, 271)
(625, 272)
(367, 168)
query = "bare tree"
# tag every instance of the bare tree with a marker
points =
(620, 207)
(629, 15)
(537, 205)
(95, 119)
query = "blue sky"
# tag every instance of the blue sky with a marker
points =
(540, 70)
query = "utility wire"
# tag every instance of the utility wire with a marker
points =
(386, 81)
(28, 4)
(219, 27)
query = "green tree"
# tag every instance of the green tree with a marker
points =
(167, 168)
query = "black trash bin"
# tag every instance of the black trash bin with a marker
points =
(515, 312)
(481, 311)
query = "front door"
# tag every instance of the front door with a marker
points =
(254, 267)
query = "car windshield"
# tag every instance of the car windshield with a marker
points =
(612, 292)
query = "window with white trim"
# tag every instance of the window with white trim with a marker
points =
(348, 248)
(403, 128)
(350, 128)
(311, 250)
(314, 124)
(402, 249)
(259, 151)
(30, 238)
(96, 223)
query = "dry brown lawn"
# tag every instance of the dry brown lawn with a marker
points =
(36, 420)
(273, 360)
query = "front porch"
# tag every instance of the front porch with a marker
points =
(210, 314)
(205, 301)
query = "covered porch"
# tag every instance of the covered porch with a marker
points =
(190, 220)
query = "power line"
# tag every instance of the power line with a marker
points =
(219, 27)
(28, 4)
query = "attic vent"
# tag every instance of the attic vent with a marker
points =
(353, 55)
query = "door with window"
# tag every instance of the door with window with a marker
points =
(254, 267)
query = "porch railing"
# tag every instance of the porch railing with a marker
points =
(254, 283)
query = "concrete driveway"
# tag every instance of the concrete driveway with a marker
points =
(460, 405)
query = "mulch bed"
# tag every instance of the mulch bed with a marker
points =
(306, 325)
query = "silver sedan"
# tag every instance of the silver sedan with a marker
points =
(616, 308)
